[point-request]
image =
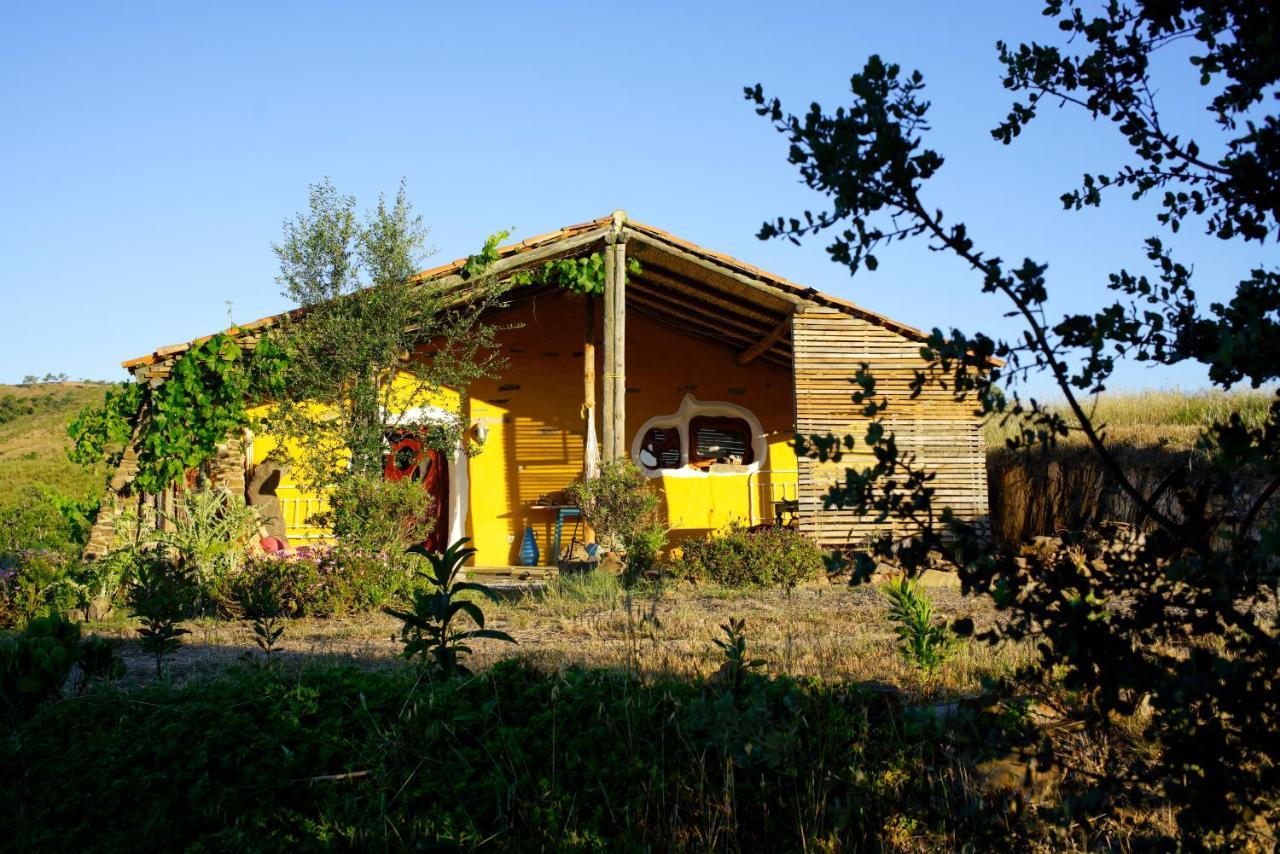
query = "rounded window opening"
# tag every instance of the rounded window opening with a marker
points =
(701, 438)
(660, 449)
(720, 439)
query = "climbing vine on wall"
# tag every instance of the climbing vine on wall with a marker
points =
(583, 275)
(178, 425)
(101, 431)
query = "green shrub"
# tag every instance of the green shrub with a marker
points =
(325, 581)
(35, 664)
(737, 666)
(44, 519)
(923, 642)
(160, 594)
(103, 577)
(260, 597)
(207, 534)
(99, 662)
(623, 508)
(380, 516)
(751, 557)
(429, 632)
(37, 583)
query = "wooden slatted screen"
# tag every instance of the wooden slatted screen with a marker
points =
(944, 433)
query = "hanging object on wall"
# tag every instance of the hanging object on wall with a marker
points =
(529, 553)
(591, 451)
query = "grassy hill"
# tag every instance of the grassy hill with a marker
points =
(34, 443)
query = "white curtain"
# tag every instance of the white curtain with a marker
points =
(591, 454)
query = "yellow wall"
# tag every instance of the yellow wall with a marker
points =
(535, 442)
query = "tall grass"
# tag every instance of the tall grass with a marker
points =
(573, 594)
(1165, 417)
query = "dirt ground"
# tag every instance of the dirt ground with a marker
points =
(830, 631)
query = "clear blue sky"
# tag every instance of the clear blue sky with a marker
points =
(150, 152)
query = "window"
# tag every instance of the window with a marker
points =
(660, 448)
(699, 437)
(719, 439)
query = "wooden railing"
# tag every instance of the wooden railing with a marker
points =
(297, 512)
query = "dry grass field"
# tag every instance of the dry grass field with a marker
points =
(830, 631)
(1166, 418)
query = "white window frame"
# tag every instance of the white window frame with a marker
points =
(691, 408)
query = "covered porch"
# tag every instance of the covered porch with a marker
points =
(701, 369)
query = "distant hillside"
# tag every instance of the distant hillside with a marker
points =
(33, 439)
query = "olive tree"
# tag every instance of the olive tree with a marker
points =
(368, 340)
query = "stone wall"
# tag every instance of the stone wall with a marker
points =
(227, 470)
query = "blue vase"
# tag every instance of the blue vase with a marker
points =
(529, 549)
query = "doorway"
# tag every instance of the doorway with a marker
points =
(409, 458)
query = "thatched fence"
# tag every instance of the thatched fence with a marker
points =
(1067, 488)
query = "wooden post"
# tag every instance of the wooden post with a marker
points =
(607, 321)
(615, 336)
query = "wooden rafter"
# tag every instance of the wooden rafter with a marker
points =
(708, 295)
(721, 269)
(659, 309)
(753, 329)
(751, 353)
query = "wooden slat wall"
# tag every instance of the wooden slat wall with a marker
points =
(944, 433)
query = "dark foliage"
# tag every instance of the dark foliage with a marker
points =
(515, 759)
(1182, 617)
(36, 663)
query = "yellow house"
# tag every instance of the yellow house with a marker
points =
(699, 367)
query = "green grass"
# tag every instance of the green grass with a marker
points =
(573, 594)
(1155, 417)
(34, 443)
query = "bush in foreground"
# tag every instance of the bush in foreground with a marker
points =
(514, 758)
(324, 581)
